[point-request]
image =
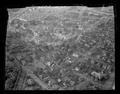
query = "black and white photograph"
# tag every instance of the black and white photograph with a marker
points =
(60, 48)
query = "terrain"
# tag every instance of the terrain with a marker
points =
(60, 50)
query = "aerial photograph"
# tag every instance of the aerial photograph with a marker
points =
(60, 48)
